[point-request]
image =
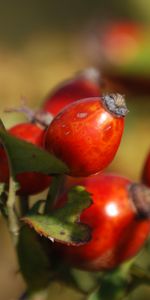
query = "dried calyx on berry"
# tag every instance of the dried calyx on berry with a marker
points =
(115, 103)
(140, 195)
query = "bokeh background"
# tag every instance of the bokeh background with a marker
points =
(43, 43)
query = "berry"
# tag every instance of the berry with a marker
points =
(85, 84)
(119, 218)
(30, 182)
(87, 133)
(146, 171)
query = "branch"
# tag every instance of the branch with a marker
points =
(13, 222)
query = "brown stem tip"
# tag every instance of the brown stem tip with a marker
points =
(140, 195)
(116, 104)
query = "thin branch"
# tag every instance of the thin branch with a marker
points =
(35, 116)
(13, 221)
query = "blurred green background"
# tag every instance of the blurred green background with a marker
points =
(43, 43)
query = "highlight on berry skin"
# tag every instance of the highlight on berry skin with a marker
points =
(87, 133)
(119, 218)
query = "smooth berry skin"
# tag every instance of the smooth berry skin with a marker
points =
(79, 87)
(146, 171)
(117, 233)
(30, 182)
(85, 135)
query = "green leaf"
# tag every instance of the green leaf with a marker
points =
(111, 287)
(26, 157)
(84, 281)
(63, 224)
(33, 261)
(95, 295)
(115, 284)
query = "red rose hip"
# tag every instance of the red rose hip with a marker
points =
(84, 84)
(87, 133)
(30, 182)
(119, 219)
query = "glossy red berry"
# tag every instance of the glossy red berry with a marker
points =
(85, 84)
(87, 133)
(30, 182)
(119, 218)
(146, 171)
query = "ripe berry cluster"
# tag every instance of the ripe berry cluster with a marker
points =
(85, 134)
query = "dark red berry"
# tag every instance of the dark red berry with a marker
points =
(83, 85)
(30, 182)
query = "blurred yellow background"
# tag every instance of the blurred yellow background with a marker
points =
(41, 44)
